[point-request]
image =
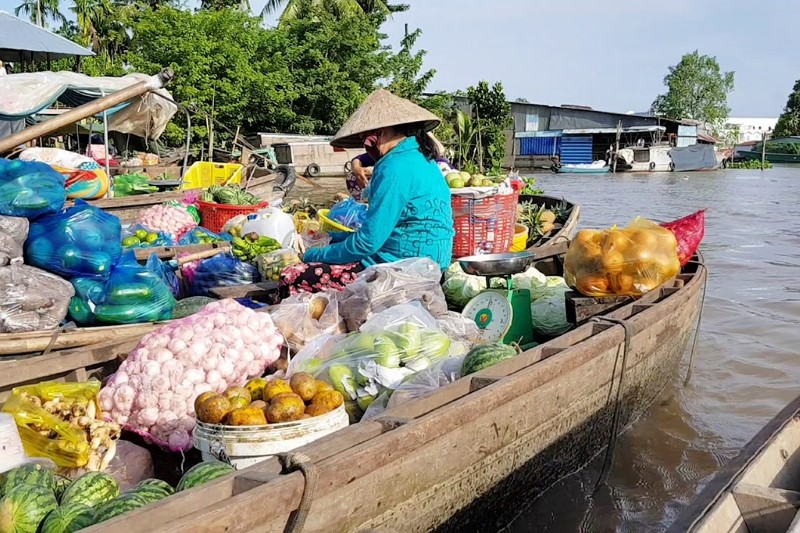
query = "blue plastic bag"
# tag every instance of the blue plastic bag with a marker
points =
(222, 270)
(349, 213)
(30, 189)
(139, 236)
(201, 235)
(83, 241)
(132, 294)
(165, 274)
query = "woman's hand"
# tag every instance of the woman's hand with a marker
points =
(360, 173)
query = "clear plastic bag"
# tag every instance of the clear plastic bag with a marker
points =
(222, 270)
(272, 264)
(139, 236)
(9, 249)
(165, 274)
(391, 347)
(15, 227)
(132, 294)
(349, 213)
(68, 448)
(31, 299)
(380, 287)
(130, 465)
(314, 239)
(305, 317)
(621, 262)
(457, 326)
(30, 189)
(82, 241)
(200, 235)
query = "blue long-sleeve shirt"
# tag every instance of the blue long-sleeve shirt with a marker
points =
(409, 214)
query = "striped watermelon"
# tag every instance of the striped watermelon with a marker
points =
(166, 487)
(203, 473)
(28, 474)
(24, 507)
(151, 493)
(61, 485)
(68, 518)
(90, 489)
(117, 506)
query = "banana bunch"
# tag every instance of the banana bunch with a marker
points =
(250, 246)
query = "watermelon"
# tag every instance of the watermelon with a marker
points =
(189, 306)
(61, 485)
(23, 508)
(203, 473)
(150, 492)
(166, 487)
(91, 488)
(484, 356)
(117, 506)
(28, 474)
(68, 518)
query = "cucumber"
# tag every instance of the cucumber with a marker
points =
(129, 294)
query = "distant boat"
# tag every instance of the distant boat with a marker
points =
(779, 150)
(598, 167)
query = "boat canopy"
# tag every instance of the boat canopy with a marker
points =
(26, 94)
(591, 131)
(22, 41)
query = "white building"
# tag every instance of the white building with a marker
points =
(751, 129)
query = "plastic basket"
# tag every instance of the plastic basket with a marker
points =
(520, 242)
(329, 225)
(483, 225)
(204, 174)
(213, 216)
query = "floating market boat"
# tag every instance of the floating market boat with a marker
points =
(781, 150)
(458, 458)
(759, 490)
(598, 167)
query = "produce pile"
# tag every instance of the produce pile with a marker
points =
(260, 402)
(138, 236)
(132, 183)
(458, 180)
(229, 195)
(170, 219)
(34, 499)
(249, 247)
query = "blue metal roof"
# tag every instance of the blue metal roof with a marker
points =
(20, 40)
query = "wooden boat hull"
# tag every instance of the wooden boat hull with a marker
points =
(577, 170)
(759, 490)
(462, 457)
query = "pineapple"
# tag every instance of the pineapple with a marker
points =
(562, 211)
(537, 218)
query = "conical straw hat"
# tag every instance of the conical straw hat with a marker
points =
(382, 109)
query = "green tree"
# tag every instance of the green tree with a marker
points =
(40, 11)
(696, 89)
(407, 78)
(491, 114)
(789, 121)
(292, 9)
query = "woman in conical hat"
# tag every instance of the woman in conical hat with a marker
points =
(409, 211)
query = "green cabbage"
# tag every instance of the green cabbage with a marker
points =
(459, 287)
(549, 311)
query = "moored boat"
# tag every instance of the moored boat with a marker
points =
(759, 490)
(461, 457)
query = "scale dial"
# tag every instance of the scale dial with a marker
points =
(492, 312)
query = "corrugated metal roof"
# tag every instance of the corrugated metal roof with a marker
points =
(21, 40)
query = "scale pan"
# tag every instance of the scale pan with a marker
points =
(497, 264)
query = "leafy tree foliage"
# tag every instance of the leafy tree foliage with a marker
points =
(696, 89)
(292, 9)
(789, 121)
(491, 114)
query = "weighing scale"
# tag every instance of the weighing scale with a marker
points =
(502, 315)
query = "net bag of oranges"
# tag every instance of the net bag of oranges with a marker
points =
(622, 262)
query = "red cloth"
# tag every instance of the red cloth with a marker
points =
(688, 231)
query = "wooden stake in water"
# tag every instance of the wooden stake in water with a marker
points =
(763, 148)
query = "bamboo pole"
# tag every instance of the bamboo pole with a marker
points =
(763, 148)
(87, 110)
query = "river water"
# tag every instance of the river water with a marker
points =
(746, 367)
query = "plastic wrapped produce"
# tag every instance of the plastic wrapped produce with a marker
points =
(390, 347)
(304, 317)
(617, 262)
(380, 287)
(222, 270)
(15, 227)
(9, 249)
(31, 299)
(30, 189)
(153, 391)
(200, 235)
(689, 232)
(165, 273)
(349, 213)
(83, 241)
(170, 219)
(272, 264)
(138, 236)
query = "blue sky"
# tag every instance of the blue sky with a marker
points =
(610, 55)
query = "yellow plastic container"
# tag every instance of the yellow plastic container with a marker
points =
(520, 241)
(204, 174)
(329, 225)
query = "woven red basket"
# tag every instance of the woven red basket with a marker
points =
(213, 216)
(483, 225)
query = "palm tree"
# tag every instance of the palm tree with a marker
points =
(292, 8)
(39, 11)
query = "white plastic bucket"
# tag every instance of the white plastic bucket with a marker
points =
(247, 445)
(12, 453)
(271, 222)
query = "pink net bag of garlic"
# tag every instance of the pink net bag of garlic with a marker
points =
(153, 392)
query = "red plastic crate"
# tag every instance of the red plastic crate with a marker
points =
(483, 225)
(213, 216)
